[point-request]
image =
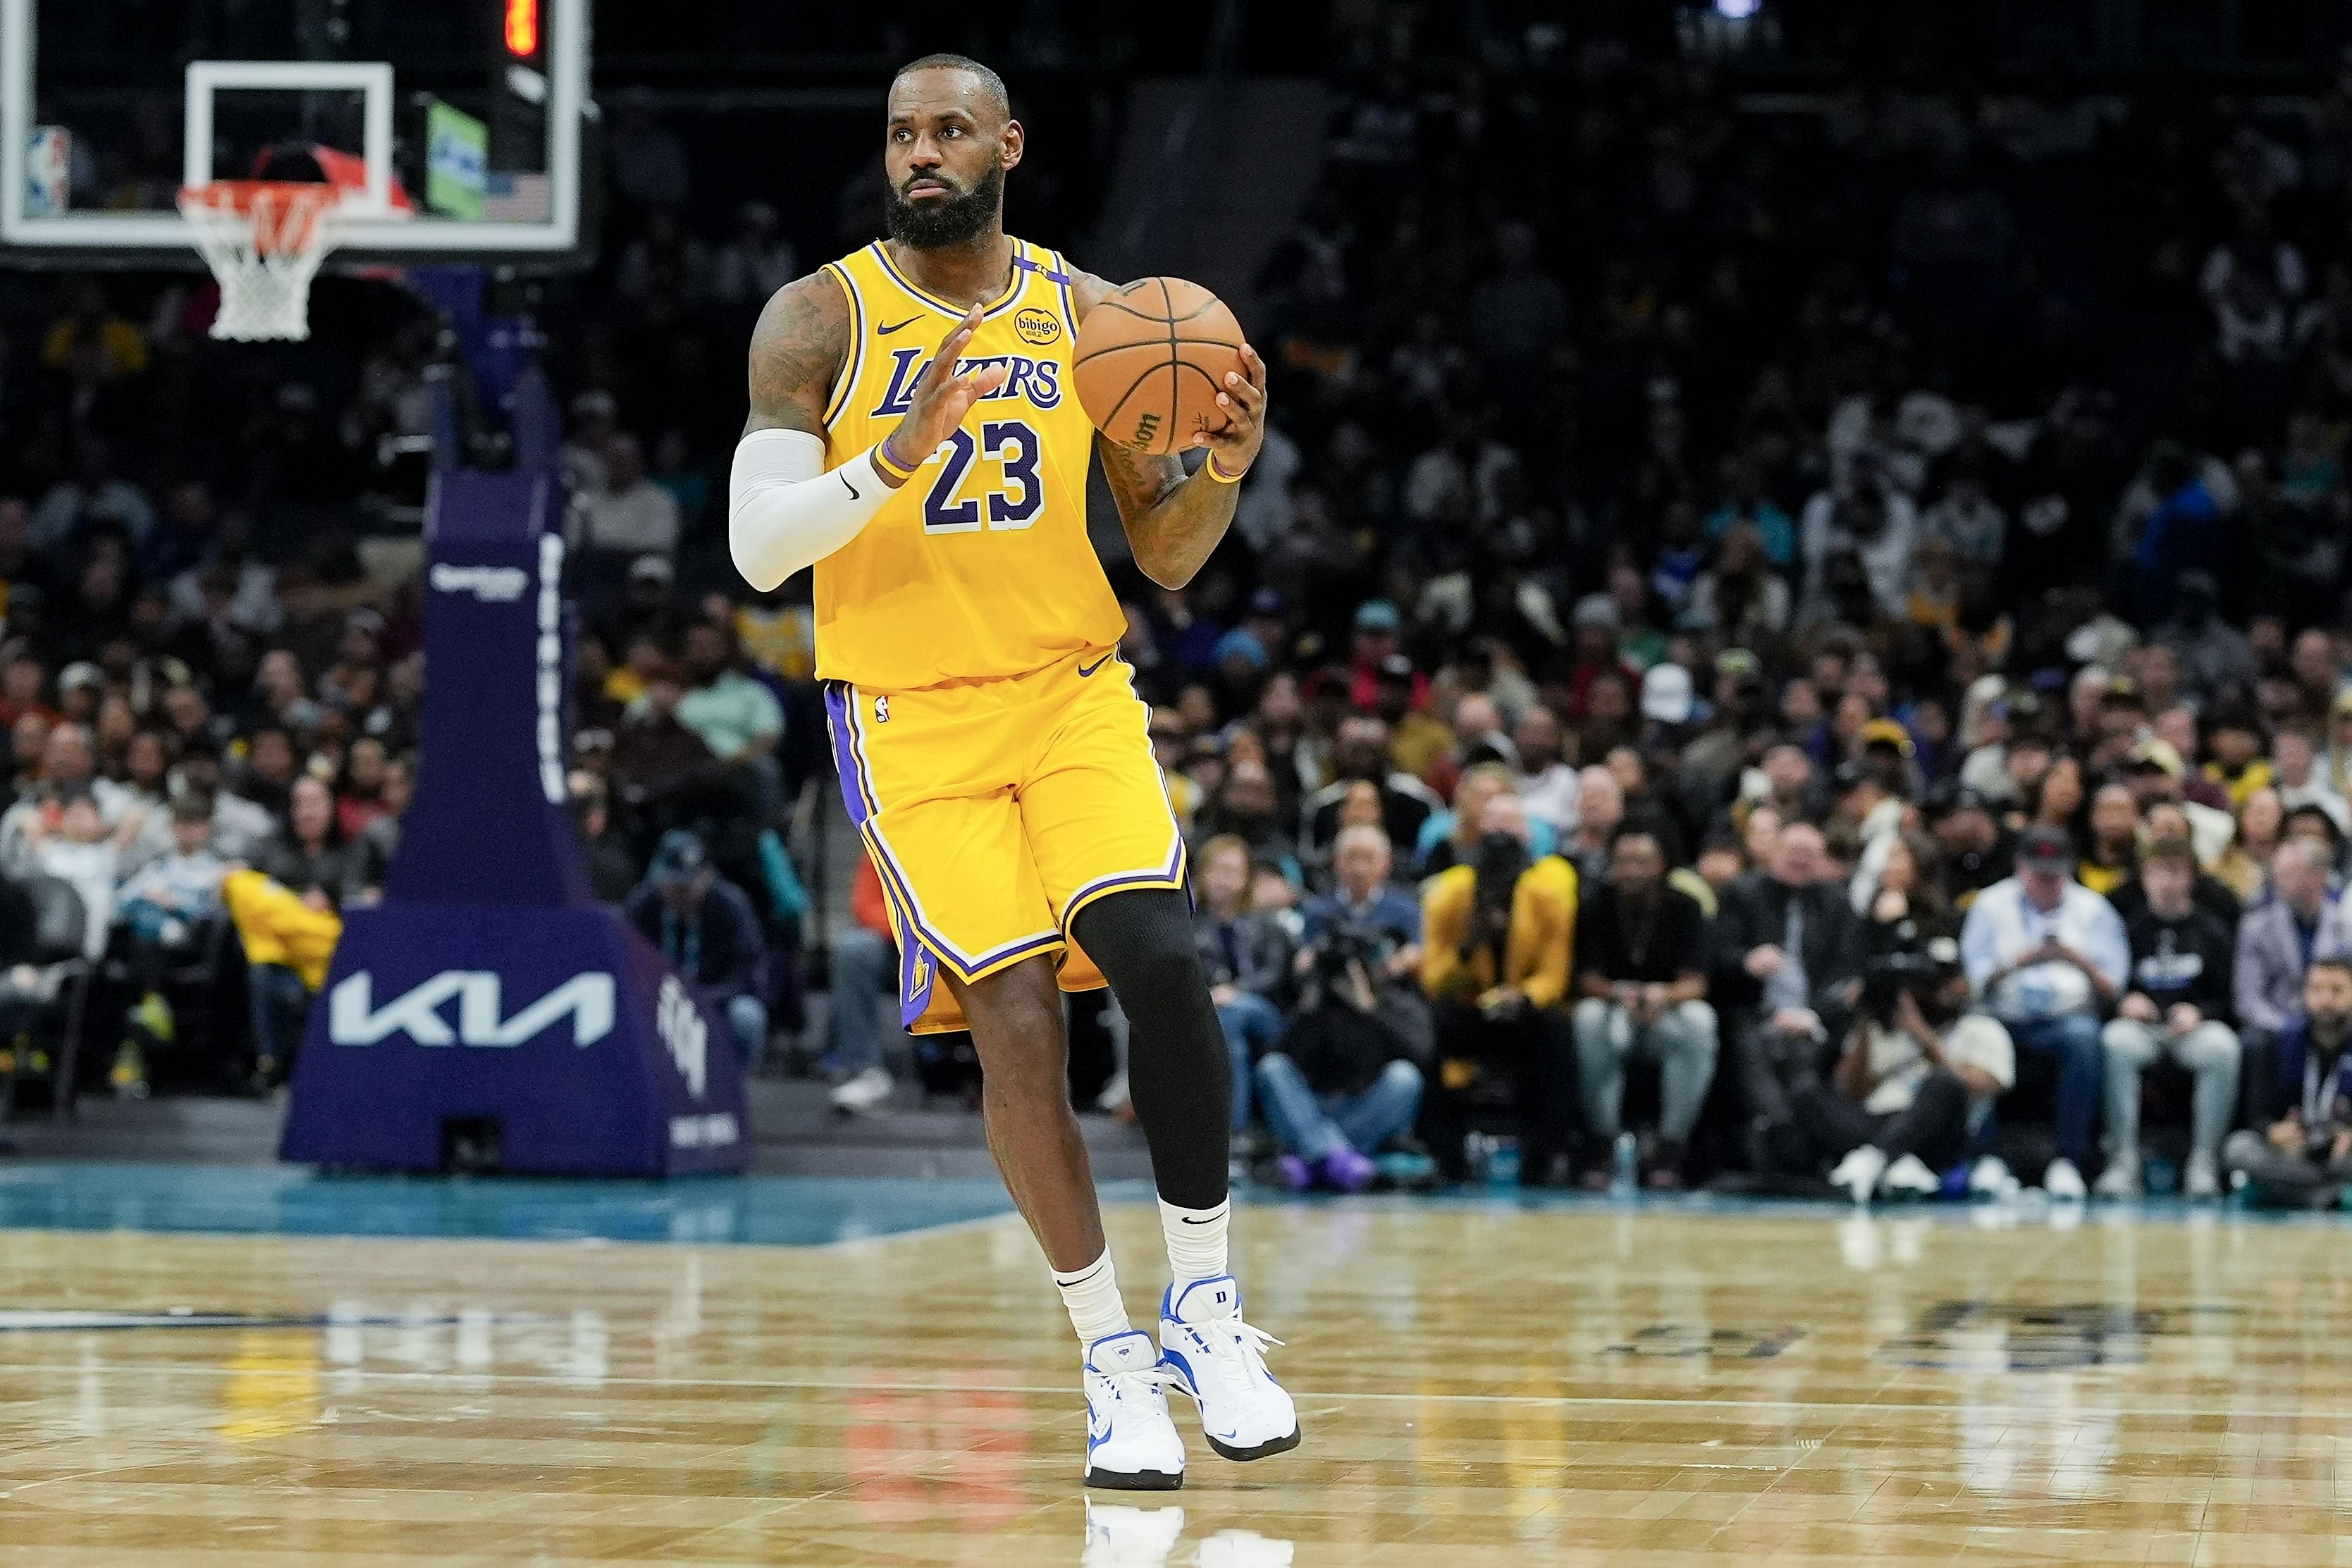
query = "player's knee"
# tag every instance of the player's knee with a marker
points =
(1142, 942)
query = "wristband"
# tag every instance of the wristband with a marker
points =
(888, 465)
(1219, 475)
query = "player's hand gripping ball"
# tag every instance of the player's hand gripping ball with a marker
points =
(1161, 367)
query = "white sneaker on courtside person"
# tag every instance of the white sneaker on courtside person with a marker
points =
(2063, 1183)
(1131, 1442)
(1219, 1362)
(862, 1092)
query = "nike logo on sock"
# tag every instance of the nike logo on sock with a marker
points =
(1188, 1219)
(886, 331)
(1084, 671)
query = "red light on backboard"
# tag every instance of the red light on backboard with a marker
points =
(522, 27)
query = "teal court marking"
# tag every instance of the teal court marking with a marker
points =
(804, 1211)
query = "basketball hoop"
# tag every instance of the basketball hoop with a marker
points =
(264, 240)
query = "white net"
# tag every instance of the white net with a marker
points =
(264, 242)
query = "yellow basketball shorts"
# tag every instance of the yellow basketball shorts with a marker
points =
(995, 811)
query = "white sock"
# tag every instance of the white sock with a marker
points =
(1092, 1296)
(1196, 1240)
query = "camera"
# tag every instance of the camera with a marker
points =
(1346, 942)
(1924, 972)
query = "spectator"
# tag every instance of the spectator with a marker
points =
(1642, 990)
(1329, 1096)
(367, 864)
(612, 871)
(1501, 931)
(167, 908)
(1918, 1068)
(628, 515)
(1361, 754)
(1547, 784)
(2048, 958)
(1451, 838)
(2214, 656)
(2176, 1004)
(2303, 1155)
(1789, 957)
(1246, 959)
(2281, 939)
(1977, 849)
(706, 928)
(289, 940)
(306, 855)
(2299, 783)
(864, 953)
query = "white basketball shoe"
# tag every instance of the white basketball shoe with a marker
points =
(1219, 1362)
(1131, 1443)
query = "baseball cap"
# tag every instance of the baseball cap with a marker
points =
(1595, 610)
(2159, 755)
(1952, 799)
(81, 673)
(1667, 693)
(1396, 667)
(680, 856)
(1377, 616)
(652, 568)
(2045, 849)
(1739, 664)
(1887, 732)
(1240, 642)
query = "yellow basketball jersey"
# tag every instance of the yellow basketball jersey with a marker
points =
(978, 566)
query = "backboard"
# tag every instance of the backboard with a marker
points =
(455, 126)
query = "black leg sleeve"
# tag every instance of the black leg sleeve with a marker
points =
(1177, 1072)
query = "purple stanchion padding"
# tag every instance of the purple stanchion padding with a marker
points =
(489, 984)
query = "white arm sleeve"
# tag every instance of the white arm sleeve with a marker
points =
(784, 511)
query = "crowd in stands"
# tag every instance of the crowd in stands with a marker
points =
(1764, 645)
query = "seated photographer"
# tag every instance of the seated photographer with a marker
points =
(1361, 895)
(1917, 1068)
(1347, 1077)
(2176, 1004)
(1642, 957)
(2302, 1159)
(1500, 933)
(1245, 957)
(1789, 952)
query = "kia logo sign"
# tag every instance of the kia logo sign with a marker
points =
(353, 1019)
(490, 584)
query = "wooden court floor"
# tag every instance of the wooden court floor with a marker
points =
(1479, 1385)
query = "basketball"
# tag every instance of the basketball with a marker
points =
(1152, 359)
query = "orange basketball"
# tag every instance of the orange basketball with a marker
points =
(1152, 359)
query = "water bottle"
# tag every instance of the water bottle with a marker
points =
(1503, 1162)
(1627, 1171)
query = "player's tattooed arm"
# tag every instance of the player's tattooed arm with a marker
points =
(1174, 523)
(797, 349)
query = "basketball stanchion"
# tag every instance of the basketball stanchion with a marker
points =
(490, 1013)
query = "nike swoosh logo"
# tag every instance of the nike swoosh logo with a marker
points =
(848, 487)
(886, 331)
(1188, 1219)
(1084, 671)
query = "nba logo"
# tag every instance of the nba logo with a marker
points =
(882, 710)
(48, 170)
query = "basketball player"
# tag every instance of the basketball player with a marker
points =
(915, 435)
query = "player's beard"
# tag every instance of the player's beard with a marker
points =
(945, 221)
